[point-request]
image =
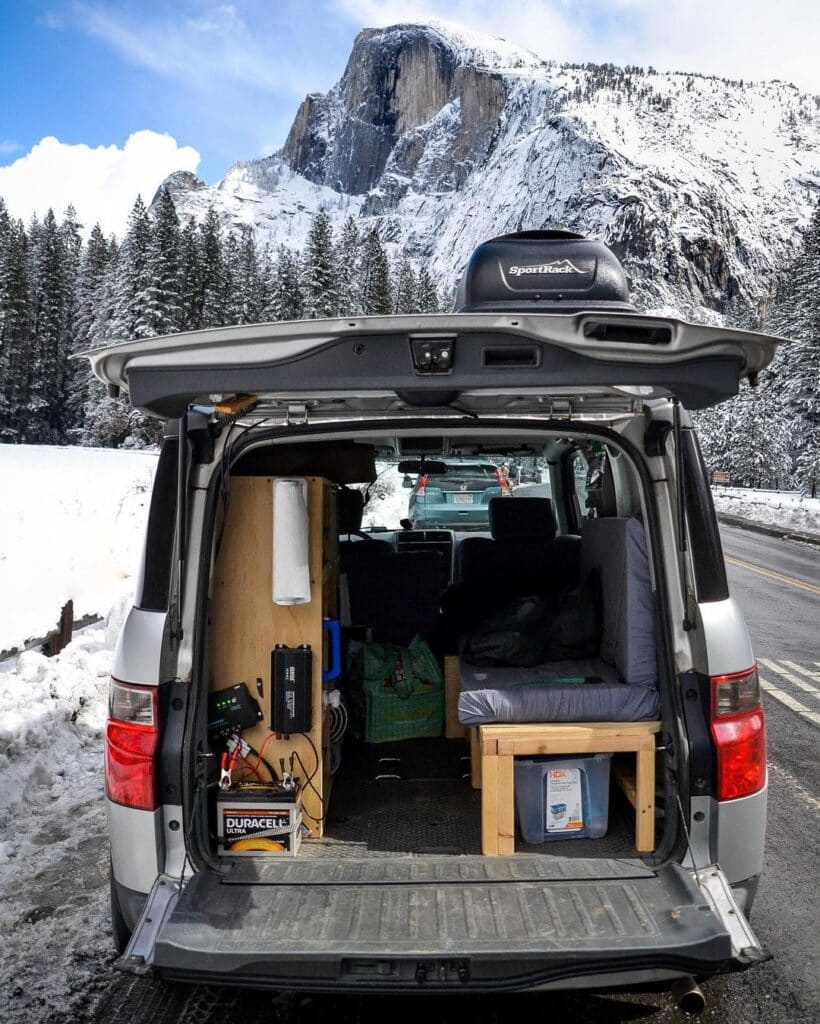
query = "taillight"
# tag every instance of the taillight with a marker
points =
(131, 737)
(739, 732)
(421, 487)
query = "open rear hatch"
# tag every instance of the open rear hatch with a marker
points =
(381, 364)
(440, 922)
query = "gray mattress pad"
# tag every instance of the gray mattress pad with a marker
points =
(538, 694)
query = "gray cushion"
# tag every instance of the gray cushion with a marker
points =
(616, 549)
(513, 695)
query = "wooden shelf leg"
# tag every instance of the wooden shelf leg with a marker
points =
(505, 787)
(645, 797)
(475, 758)
(489, 801)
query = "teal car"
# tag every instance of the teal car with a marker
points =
(458, 498)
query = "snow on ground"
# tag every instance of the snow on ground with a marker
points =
(53, 851)
(388, 502)
(786, 509)
(71, 523)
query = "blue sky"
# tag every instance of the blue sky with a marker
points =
(206, 83)
(224, 78)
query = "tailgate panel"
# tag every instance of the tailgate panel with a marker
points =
(499, 932)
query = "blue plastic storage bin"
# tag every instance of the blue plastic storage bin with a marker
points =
(562, 797)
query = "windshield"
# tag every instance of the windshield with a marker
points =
(456, 500)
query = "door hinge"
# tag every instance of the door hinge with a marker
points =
(139, 953)
(746, 947)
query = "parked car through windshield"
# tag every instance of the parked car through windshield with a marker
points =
(458, 498)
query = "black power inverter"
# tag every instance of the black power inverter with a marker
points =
(292, 702)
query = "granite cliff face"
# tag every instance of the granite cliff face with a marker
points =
(444, 139)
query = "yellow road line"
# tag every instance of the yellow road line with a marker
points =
(812, 589)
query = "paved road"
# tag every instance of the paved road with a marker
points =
(778, 586)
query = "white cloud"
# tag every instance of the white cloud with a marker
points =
(750, 39)
(101, 182)
(8, 146)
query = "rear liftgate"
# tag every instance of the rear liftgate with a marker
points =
(444, 923)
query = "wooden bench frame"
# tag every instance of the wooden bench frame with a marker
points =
(493, 748)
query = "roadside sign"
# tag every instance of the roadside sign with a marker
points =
(721, 476)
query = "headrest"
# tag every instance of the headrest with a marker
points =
(514, 519)
(351, 510)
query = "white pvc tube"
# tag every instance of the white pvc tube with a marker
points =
(291, 553)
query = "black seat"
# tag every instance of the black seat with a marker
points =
(524, 554)
(523, 557)
(395, 595)
(350, 508)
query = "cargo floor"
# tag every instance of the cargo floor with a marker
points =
(416, 798)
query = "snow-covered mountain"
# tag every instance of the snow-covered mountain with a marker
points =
(443, 139)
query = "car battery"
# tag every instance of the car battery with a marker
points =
(254, 820)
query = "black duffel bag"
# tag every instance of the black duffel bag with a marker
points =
(529, 630)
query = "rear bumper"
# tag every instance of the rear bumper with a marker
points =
(450, 974)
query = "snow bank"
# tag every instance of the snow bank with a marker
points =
(53, 851)
(71, 525)
(786, 509)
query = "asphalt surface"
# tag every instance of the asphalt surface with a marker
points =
(777, 584)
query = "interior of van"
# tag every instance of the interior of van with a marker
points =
(382, 690)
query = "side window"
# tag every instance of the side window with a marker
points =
(579, 474)
(704, 538)
(159, 539)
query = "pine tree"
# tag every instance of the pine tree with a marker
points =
(93, 308)
(41, 416)
(5, 229)
(405, 286)
(73, 370)
(267, 278)
(15, 332)
(211, 305)
(163, 310)
(319, 284)
(427, 296)
(796, 315)
(133, 277)
(101, 328)
(231, 301)
(377, 299)
(349, 270)
(190, 278)
(285, 301)
(250, 274)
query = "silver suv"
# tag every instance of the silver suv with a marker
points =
(397, 865)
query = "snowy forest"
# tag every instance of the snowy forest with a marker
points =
(60, 295)
(769, 435)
